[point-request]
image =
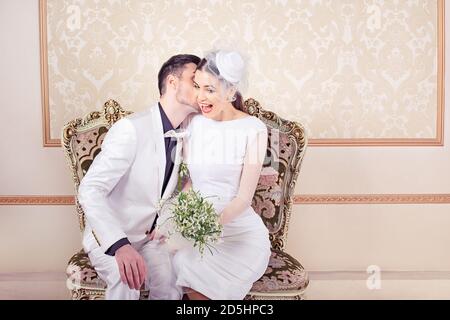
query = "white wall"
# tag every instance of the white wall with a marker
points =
(32, 238)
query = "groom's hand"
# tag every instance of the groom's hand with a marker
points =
(132, 268)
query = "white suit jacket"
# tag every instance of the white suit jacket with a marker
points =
(121, 192)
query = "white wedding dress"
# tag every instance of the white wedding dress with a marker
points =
(224, 160)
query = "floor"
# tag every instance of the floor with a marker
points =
(323, 286)
(33, 286)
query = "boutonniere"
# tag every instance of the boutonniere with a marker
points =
(183, 175)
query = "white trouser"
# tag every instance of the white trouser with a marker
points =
(161, 277)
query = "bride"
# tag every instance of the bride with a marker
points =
(224, 153)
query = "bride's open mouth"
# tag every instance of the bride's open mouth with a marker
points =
(206, 108)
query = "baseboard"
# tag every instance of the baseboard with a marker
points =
(385, 275)
(313, 275)
(33, 276)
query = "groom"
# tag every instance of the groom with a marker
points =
(123, 188)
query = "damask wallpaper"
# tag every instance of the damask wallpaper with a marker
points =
(348, 70)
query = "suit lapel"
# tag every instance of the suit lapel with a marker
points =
(174, 176)
(159, 147)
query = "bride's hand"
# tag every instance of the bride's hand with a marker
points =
(223, 220)
(155, 235)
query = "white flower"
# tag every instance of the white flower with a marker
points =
(189, 219)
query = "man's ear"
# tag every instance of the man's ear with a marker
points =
(172, 82)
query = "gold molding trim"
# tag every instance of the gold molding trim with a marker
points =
(328, 199)
(325, 199)
(441, 73)
(47, 140)
(438, 141)
(36, 200)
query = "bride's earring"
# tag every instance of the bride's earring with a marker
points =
(232, 99)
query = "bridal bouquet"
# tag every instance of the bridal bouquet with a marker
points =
(189, 219)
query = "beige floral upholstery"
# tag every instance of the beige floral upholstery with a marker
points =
(86, 147)
(284, 274)
(81, 273)
(268, 200)
(84, 281)
(285, 277)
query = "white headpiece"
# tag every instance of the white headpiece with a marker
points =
(231, 66)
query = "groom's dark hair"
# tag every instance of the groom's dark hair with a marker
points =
(174, 66)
